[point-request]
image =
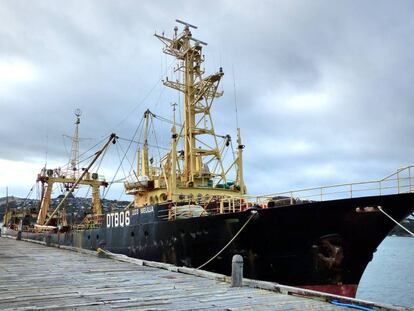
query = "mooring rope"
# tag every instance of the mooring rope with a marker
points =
(235, 236)
(379, 207)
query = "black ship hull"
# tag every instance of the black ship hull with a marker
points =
(318, 245)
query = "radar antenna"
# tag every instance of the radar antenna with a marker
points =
(186, 24)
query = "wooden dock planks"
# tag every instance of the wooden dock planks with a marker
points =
(36, 277)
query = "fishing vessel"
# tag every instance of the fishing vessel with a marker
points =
(190, 206)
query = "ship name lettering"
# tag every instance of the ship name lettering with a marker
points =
(147, 209)
(117, 219)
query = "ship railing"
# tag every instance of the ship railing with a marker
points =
(27, 228)
(401, 181)
(189, 207)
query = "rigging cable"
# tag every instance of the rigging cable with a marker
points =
(131, 163)
(28, 195)
(144, 98)
(160, 97)
(93, 147)
(64, 144)
(64, 167)
(165, 119)
(123, 158)
(119, 148)
(141, 143)
(156, 140)
(119, 156)
(97, 169)
(139, 104)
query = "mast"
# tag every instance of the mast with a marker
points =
(145, 163)
(138, 163)
(173, 178)
(240, 148)
(71, 180)
(196, 169)
(199, 93)
(189, 123)
(74, 154)
(112, 139)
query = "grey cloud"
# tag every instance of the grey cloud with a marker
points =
(101, 56)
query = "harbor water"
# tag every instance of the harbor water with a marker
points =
(389, 277)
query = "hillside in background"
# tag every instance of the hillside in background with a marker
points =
(77, 207)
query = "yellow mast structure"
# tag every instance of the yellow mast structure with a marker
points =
(199, 94)
(73, 165)
(145, 162)
(48, 177)
(197, 170)
(174, 136)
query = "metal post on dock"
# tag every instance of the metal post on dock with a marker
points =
(19, 232)
(47, 239)
(237, 271)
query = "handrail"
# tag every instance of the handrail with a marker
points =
(402, 183)
(408, 168)
(352, 189)
(398, 171)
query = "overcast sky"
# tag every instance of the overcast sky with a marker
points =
(324, 89)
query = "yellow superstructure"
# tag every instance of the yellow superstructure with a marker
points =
(196, 172)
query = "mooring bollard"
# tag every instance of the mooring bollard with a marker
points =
(47, 240)
(237, 271)
(19, 235)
